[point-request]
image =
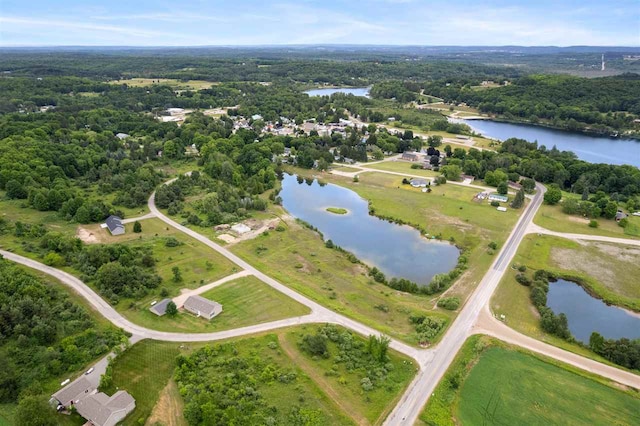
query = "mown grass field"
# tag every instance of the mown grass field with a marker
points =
(245, 301)
(402, 167)
(490, 382)
(145, 369)
(175, 84)
(344, 168)
(552, 217)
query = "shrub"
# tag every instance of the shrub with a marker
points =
(495, 203)
(171, 242)
(623, 222)
(315, 345)
(493, 245)
(137, 227)
(523, 279)
(593, 223)
(449, 303)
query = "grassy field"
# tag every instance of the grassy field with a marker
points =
(146, 368)
(245, 301)
(544, 252)
(402, 167)
(552, 217)
(343, 385)
(299, 259)
(345, 169)
(490, 382)
(175, 84)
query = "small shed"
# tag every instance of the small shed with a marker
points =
(160, 308)
(620, 215)
(115, 226)
(202, 307)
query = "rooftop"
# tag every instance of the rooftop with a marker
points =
(160, 308)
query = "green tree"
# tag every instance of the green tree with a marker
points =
(503, 188)
(172, 309)
(137, 227)
(34, 411)
(553, 195)
(434, 141)
(177, 275)
(83, 215)
(529, 185)
(518, 201)
(451, 172)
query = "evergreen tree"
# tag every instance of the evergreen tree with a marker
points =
(518, 201)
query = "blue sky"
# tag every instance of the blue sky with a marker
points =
(254, 22)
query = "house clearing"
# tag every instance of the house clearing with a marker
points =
(97, 408)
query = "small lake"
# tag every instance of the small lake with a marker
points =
(356, 91)
(587, 314)
(398, 251)
(594, 149)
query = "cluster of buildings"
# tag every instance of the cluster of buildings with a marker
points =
(97, 408)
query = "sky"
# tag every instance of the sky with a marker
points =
(255, 22)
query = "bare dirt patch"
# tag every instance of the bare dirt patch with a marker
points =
(624, 253)
(168, 410)
(227, 238)
(87, 236)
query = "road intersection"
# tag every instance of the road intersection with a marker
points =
(474, 318)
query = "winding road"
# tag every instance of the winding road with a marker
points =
(474, 318)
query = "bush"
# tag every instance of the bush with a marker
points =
(495, 204)
(523, 279)
(315, 345)
(493, 245)
(171, 242)
(449, 303)
(593, 223)
(329, 244)
(137, 227)
(623, 222)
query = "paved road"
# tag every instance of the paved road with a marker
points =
(410, 406)
(536, 229)
(474, 318)
(488, 324)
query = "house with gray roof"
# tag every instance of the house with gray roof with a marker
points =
(202, 307)
(74, 392)
(418, 183)
(102, 410)
(160, 308)
(409, 156)
(115, 225)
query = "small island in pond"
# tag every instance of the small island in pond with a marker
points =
(337, 210)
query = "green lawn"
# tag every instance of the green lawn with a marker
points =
(402, 167)
(245, 301)
(175, 84)
(344, 168)
(490, 382)
(552, 217)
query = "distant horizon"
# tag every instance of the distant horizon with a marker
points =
(191, 23)
(316, 45)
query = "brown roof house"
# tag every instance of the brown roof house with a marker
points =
(202, 307)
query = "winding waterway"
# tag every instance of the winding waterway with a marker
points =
(587, 314)
(398, 251)
(594, 149)
(356, 91)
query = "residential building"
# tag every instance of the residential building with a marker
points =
(409, 156)
(74, 392)
(498, 197)
(418, 183)
(160, 308)
(202, 307)
(102, 410)
(114, 224)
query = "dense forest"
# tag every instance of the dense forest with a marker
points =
(603, 105)
(43, 336)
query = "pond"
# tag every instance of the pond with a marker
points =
(594, 149)
(356, 91)
(587, 314)
(398, 251)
